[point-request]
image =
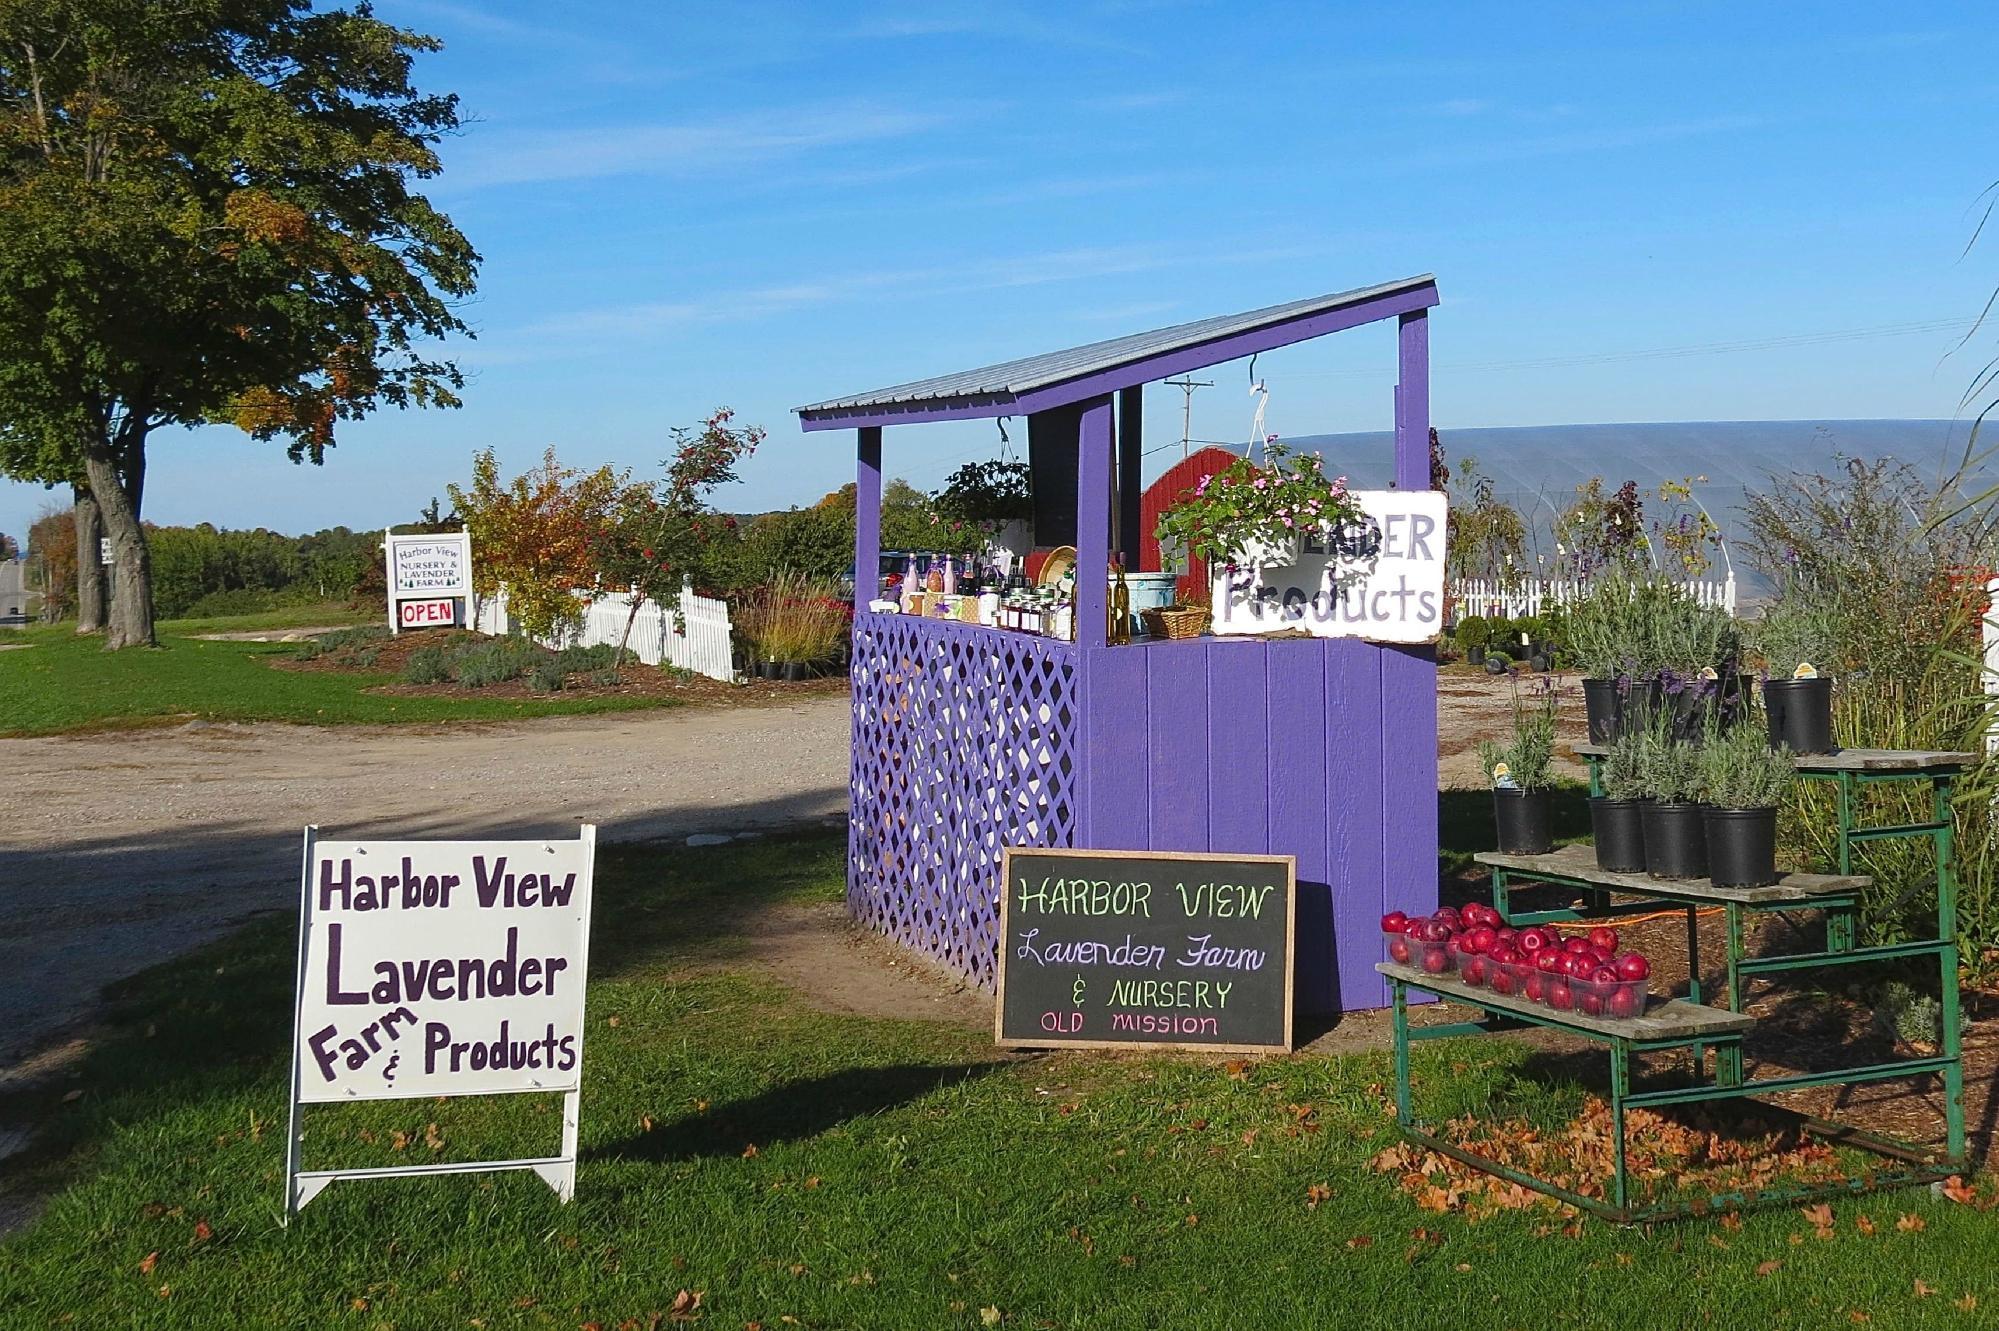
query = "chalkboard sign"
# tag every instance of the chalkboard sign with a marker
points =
(1121, 947)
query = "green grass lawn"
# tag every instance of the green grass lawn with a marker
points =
(803, 1169)
(61, 682)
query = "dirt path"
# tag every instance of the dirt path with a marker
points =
(123, 850)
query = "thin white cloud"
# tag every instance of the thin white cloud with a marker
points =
(540, 156)
(1464, 106)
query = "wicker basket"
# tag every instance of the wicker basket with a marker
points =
(1179, 621)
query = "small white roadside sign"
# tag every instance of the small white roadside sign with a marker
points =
(429, 570)
(430, 968)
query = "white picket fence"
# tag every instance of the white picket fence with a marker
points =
(700, 642)
(1516, 597)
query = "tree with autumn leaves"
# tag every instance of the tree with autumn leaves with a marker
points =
(554, 531)
(207, 215)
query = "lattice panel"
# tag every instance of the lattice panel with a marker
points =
(965, 741)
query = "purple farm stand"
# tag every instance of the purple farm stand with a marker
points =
(968, 739)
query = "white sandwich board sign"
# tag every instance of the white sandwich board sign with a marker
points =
(1383, 582)
(430, 968)
(430, 579)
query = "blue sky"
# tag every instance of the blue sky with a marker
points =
(761, 205)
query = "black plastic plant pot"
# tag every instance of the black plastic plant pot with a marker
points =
(1675, 840)
(1800, 712)
(1475, 656)
(1638, 701)
(1619, 828)
(1600, 703)
(1742, 847)
(1696, 709)
(794, 670)
(1522, 819)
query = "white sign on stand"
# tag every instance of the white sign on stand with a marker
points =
(428, 569)
(1384, 583)
(430, 968)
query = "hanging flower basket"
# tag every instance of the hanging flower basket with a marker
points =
(1254, 515)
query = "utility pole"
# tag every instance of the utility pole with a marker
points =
(1187, 384)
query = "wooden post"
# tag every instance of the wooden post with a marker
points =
(1093, 521)
(867, 514)
(1412, 402)
(1130, 455)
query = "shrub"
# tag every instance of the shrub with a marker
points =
(606, 678)
(793, 618)
(496, 662)
(1474, 631)
(427, 665)
(1669, 770)
(1793, 631)
(1623, 767)
(1739, 770)
(1532, 749)
(547, 675)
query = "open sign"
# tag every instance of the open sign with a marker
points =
(423, 614)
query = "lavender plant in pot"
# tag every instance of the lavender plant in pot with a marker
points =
(1797, 639)
(1519, 773)
(1742, 780)
(1617, 817)
(1675, 833)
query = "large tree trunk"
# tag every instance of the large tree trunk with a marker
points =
(89, 571)
(132, 565)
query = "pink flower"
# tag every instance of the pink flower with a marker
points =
(1260, 482)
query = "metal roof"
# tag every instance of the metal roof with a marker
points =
(1013, 378)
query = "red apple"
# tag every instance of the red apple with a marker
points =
(1632, 966)
(1604, 938)
(1504, 955)
(1603, 975)
(1398, 950)
(1535, 987)
(1624, 1001)
(1560, 995)
(1532, 940)
(1502, 980)
(1591, 1003)
(1548, 961)
(1482, 938)
(1507, 934)
(1473, 971)
(1575, 946)
(1435, 930)
(1448, 914)
(1436, 960)
(1394, 922)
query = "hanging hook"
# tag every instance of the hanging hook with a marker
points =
(1252, 368)
(1006, 444)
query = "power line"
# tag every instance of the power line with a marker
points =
(1187, 384)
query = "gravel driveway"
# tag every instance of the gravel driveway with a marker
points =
(118, 851)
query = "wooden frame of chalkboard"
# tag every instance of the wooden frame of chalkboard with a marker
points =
(1048, 1040)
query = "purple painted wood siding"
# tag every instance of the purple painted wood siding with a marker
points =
(1321, 750)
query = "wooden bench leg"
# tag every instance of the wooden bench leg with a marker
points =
(1402, 1115)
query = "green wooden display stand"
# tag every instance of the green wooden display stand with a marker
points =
(1687, 1024)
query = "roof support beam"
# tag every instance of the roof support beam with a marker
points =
(1130, 456)
(1412, 402)
(867, 515)
(1093, 524)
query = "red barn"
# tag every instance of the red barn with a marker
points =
(1181, 477)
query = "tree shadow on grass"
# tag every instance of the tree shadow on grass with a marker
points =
(792, 1111)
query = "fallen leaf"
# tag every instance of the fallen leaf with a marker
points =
(1733, 1220)
(1769, 1268)
(1865, 1224)
(148, 1262)
(989, 1316)
(812, 1183)
(610, 1021)
(432, 1137)
(1192, 1220)
(700, 1106)
(399, 1141)
(1463, 1268)
(1857, 1316)
(202, 1233)
(1795, 1239)
(1315, 1194)
(1955, 1189)
(647, 1122)
(686, 1305)
(591, 1326)
(359, 1305)
(1249, 1137)
(1923, 1289)
(1717, 1241)
(1965, 1304)
(1360, 1241)
(1911, 1224)
(70, 1098)
(1237, 1068)
(750, 1151)
(166, 1291)
(1821, 1218)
